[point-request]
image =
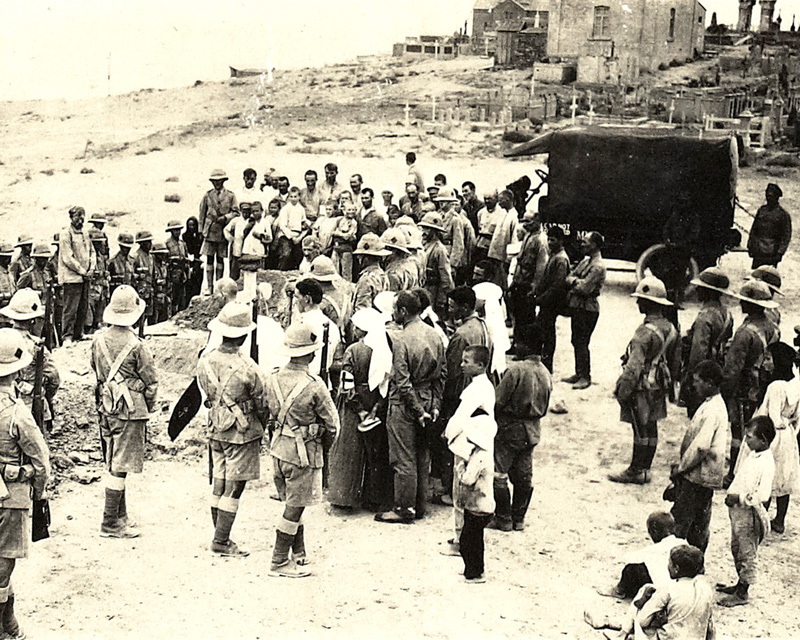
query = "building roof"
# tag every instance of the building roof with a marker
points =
(485, 5)
(488, 5)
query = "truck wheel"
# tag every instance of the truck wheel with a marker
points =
(649, 259)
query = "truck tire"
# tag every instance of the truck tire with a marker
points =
(647, 256)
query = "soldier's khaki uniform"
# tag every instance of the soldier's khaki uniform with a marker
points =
(18, 266)
(438, 278)
(403, 274)
(25, 470)
(131, 396)
(99, 292)
(51, 380)
(7, 286)
(744, 375)
(144, 282)
(178, 266)
(37, 279)
(642, 388)
(161, 300)
(371, 282)
(237, 405)
(303, 402)
(120, 269)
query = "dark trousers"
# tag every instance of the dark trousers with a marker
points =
(378, 492)
(547, 327)
(692, 512)
(235, 268)
(76, 303)
(289, 255)
(410, 457)
(471, 543)
(583, 324)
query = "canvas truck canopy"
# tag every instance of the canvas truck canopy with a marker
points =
(625, 182)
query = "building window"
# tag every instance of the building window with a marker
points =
(672, 24)
(429, 49)
(601, 26)
(507, 15)
(413, 48)
(543, 19)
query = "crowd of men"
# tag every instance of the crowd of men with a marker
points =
(399, 378)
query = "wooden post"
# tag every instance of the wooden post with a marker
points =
(433, 108)
(671, 110)
(408, 114)
(574, 106)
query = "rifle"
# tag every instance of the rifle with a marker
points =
(38, 389)
(254, 335)
(323, 365)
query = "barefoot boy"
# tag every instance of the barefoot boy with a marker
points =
(470, 436)
(750, 489)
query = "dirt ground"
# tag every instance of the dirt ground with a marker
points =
(370, 579)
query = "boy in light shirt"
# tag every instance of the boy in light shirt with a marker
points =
(292, 225)
(234, 233)
(344, 241)
(470, 436)
(750, 489)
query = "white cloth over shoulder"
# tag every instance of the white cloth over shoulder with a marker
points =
(492, 296)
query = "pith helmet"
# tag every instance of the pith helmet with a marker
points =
(125, 240)
(25, 304)
(6, 249)
(13, 352)
(712, 278)
(769, 275)
(159, 247)
(174, 224)
(370, 245)
(143, 236)
(395, 238)
(322, 269)
(41, 250)
(756, 292)
(218, 174)
(125, 307)
(432, 221)
(651, 288)
(23, 240)
(300, 339)
(98, 217)
(233, 321)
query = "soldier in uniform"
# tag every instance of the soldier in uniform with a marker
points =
(23, 262)
(237, 410)
(303, 416)
(120, 267)
(178, 267)
(415, 396)
(161, 301)
(127, 385)
(748, 364)
(438, 277)
(372, 279)
(24, 310)
(217, 208)
(143, 273)
(7, 286)
(708, 335)
(25, 462)
(99, 282)
(38, 277)
(98, 221)
(402, 273)
(335, 300)
(646, 380)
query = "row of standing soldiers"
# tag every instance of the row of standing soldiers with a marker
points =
(159, 271)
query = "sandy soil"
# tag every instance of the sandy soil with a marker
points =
(371, 579)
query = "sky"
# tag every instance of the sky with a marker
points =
(65, 48)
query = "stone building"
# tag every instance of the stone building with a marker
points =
(610, 42)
